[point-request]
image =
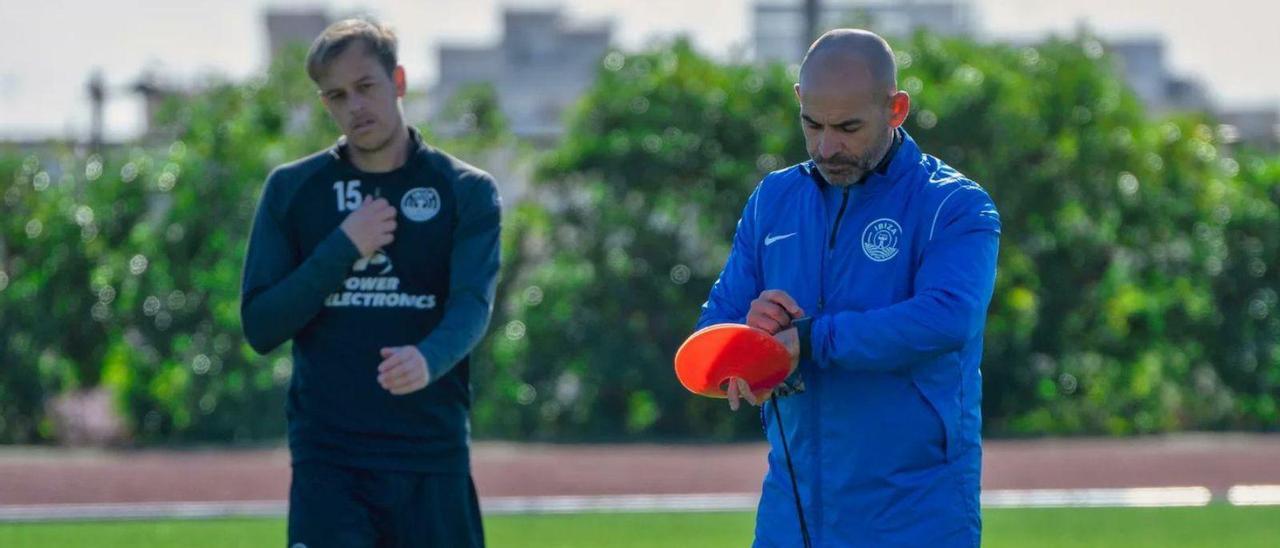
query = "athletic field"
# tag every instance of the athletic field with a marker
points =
(1185, 490)
(1214, 525)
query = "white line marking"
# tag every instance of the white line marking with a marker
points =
(620, 503)
(1086, 498)
(142, 511)
(1240, 495)
(1254, 495)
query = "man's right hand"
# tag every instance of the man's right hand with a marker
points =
(773, 311)
(740, 390)
(371, 226)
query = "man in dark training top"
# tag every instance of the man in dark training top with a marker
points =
(378, 257)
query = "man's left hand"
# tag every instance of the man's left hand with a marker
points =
(403, 370)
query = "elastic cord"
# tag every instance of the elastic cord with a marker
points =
(791, 471)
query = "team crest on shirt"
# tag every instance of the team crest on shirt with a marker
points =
(880, 239)
(420, 204)
(378, 261)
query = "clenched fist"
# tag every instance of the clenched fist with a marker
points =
(403, 370)
(371, 226)
(773, 311)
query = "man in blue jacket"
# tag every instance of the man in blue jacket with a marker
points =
(874, 263)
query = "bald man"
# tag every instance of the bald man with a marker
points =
(874, 264)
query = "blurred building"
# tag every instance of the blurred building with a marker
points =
(1257, 127)
(294, 27)
(154, 92)
(541, 66)
(779, 27)
(285, 28)
(1142, 64)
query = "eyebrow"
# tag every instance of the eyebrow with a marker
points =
(368, 78)
(849, 122)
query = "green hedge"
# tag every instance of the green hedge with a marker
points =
(1137, 289)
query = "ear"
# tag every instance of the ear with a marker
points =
(796, 88)
(397, 75)
(899, 108)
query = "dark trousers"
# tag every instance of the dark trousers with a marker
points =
(339, 507)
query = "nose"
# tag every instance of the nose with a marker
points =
(828, 145)
(356, 103)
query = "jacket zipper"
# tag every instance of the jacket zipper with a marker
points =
(835, 229)
(822, 303)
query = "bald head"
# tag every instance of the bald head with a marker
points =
(853, 57)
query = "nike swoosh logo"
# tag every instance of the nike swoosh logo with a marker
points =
(768, 240)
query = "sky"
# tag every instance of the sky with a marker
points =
(49, 49)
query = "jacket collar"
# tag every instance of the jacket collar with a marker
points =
(417, 148)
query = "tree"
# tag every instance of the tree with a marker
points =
(606, 280)
(177, 359)
(1109, 297)
(123, 269)
(1135, 291)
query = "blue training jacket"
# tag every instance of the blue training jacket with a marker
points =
(883, 416)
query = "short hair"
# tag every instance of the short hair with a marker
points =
(864, 44)
(378, 37)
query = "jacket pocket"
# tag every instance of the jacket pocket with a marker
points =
(941, 391)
